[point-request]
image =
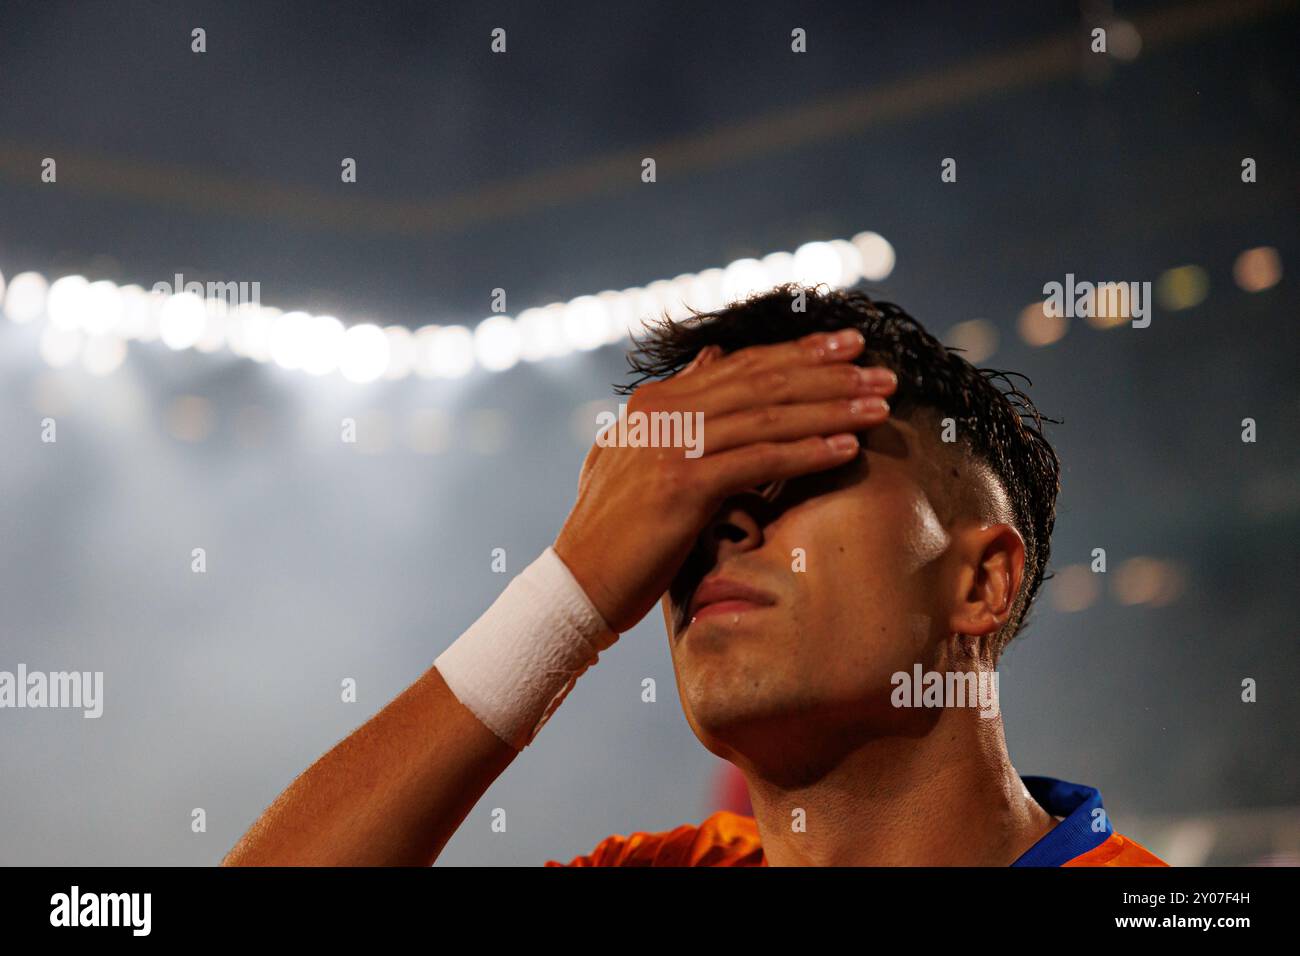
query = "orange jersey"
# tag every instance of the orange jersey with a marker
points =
(1082, 838)
(1117, 850)
(724, 839)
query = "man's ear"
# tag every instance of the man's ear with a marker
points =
(991, 565)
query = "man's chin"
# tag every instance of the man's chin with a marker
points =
(728, 712)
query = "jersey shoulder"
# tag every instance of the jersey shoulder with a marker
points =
(723, 839)
(1117, 850)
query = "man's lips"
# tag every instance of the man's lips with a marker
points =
(724, 596)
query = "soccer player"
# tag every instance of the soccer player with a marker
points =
(862, 532)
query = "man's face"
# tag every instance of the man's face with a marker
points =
(846, 591)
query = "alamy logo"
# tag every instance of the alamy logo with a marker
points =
(953, 689)
(231, 293)
(651, 430)
(1101, 300)
(102, 909)
(58, 689)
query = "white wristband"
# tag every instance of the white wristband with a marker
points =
(518, 661)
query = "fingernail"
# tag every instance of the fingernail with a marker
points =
(868, 406)
(842, 443)
(877, 377)
(843, 339)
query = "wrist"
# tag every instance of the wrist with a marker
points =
(588, 580)
(517, 662)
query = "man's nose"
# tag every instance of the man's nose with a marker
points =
(734, 529)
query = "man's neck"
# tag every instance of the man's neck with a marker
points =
(948, 798)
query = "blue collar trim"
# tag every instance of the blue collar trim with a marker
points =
(1085, 826)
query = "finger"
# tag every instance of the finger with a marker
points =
(789, 385)
(750, 465)
(702, 357)
(816, 349)
(785, 423)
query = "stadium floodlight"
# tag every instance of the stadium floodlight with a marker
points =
(366, 352)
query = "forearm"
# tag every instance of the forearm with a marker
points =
(391, 794)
